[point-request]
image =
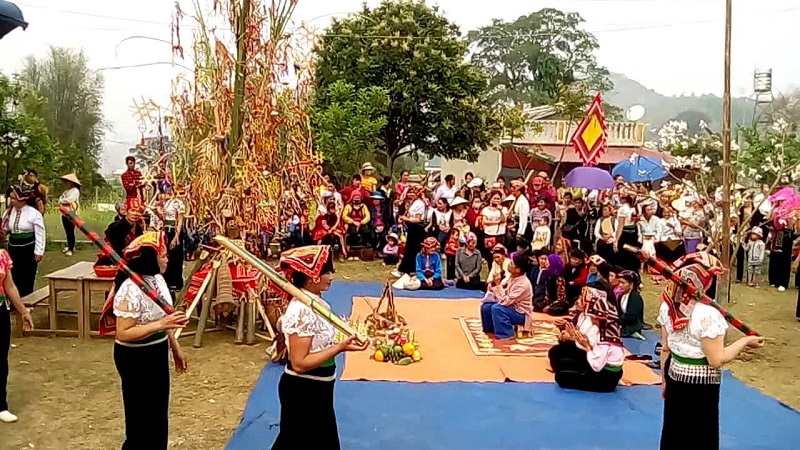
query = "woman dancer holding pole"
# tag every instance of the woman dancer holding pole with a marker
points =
(143, 335)
(692, 357)
(306, 386)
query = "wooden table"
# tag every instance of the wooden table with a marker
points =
(78, 278)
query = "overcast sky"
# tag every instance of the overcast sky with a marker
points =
(671, 46)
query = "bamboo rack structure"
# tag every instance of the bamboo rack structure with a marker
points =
(278, 279)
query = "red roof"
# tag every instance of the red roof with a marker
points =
(512, 157)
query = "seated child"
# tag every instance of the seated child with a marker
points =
(450, 250)
(391, 251)
(541, 235)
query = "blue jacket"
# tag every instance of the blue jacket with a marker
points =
(430, 262)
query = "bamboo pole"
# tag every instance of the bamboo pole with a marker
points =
(726, 156)
(278, 279)
(205, 311)
(250, 324)
(200, 294)
(204, 255)
(240, 316)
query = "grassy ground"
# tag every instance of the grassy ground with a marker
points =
(66, 391)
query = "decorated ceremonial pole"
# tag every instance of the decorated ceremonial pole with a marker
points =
(290, 289)
(664, 269)
(109, 252)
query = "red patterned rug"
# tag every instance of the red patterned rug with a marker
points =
(545, 335)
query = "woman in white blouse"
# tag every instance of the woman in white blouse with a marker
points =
(70, 198)
(173, 210)
(493, 222)
(692, 358)
(24, 226)
(144, 334)
(305, 390)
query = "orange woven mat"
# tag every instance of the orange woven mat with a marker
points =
(447, 354)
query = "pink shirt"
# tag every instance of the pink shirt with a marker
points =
(517, 294)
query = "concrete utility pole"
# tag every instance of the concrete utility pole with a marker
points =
(726, 152)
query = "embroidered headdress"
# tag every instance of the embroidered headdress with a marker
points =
(310, 260)
(699, 270)
(604, 312)
(151, 239)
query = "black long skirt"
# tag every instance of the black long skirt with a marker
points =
(25, 265)
(174, 273)
(606, 251)
(624, 258)
(691, 415)
(307, 414)
(414, 238)
(5, 345)
(144, 372)
(669, 253)
(573, 371)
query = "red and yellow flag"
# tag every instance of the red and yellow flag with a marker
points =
(591, 138)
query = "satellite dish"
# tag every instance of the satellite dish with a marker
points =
(635, 113)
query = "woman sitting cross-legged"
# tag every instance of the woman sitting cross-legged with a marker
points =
(631, 305)
(429, 266)
(589, 355)
(468, 265)
(506, 305)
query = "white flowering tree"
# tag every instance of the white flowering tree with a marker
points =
(768, 157)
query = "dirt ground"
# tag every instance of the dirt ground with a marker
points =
(66, 391)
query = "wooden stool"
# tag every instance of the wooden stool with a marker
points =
(521, 332)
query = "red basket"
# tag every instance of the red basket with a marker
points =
(105, 271)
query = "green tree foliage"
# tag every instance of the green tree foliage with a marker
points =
(72, 95)
(24, 140)
(438, 102)
(347, 128)
(528, 59)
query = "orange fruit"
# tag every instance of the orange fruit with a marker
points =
(378, 356)
(408, 349)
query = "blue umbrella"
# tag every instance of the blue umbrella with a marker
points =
(10, 18)
(639, 169)
(589, 178)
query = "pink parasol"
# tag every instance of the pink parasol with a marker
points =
(785, 203)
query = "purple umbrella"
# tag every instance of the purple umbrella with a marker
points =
(589, 178)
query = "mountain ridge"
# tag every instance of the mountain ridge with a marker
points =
(659, 108)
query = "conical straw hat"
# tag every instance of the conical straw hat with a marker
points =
(72, 178)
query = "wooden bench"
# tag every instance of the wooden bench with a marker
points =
(31, 301)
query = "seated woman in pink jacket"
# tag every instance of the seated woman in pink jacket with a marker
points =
(508, 303)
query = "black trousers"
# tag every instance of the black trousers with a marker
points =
(691, 415)
(451, 267)
(437, 285)
(144, 372)
(740, 263)
(25, 266)
(474, 284)
(573, 371)
(300, 397)
(174, 273)
(69, 230)
(5, 345)
(780, 268)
